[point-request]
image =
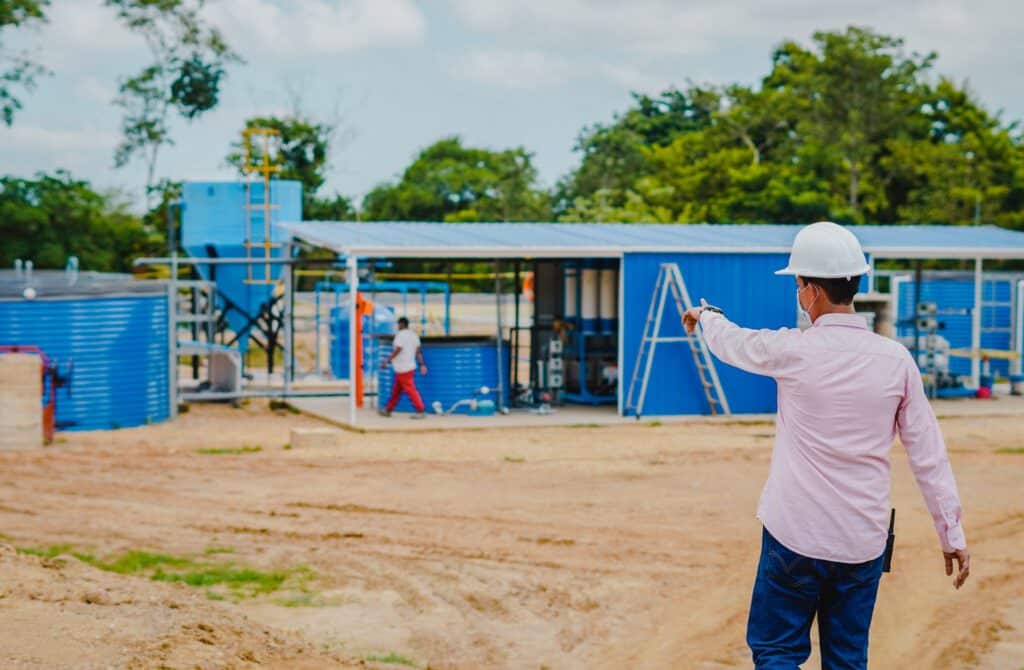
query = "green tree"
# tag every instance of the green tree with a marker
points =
(857, 91)
(51, 217)
(302, 154)
(451, 182)
(18, 71)
(612, 155)
(187, 68)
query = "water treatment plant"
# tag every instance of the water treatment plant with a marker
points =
(260, 305)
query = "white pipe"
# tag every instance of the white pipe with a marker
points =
(352, 275)
(590, 296)
(976, 324)
(608, 308)
(571, 309)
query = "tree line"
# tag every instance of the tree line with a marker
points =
(852, 128)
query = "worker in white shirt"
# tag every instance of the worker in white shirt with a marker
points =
(844, 393)
(405, 353)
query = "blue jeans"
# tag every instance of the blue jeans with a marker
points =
(791, 590)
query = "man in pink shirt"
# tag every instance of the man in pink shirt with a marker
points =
(843, 395)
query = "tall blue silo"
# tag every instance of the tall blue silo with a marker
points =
(214, 225)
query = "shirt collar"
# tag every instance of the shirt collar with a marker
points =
(848, 320)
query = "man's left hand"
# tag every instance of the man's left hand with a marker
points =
(691, 318)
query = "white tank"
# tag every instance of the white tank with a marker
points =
(590, 298)
(571, 277)
(609, 304)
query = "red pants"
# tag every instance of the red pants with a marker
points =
(405, 381)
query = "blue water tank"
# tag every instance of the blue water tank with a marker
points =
(114, 331)
(456, 369)
(382, 322)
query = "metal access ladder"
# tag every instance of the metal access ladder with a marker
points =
(670, 280)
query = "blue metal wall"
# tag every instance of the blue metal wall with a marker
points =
(455, 369)
(214, 215)
(958, 293)
(744, 286)
(119, 346)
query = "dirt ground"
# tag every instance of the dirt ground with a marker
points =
(613, 547)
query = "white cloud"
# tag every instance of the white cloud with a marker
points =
(317, 27)
(94, 89)
(56, 140)
(638, 79)
(513, 69)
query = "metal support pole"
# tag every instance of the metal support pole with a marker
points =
(172, 349)
(501, 372)
(976, 324)
(515, 332)
(352, 276)
(448, 301)
(287, 322)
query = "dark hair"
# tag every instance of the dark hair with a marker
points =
(840, 290)
(403, 322)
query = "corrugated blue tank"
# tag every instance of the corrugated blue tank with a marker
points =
(956, 292)
(115, 332)
(456, 368)
(382, 322)
(213, 224)
(744, 285)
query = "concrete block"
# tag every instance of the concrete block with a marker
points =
(21, 409)
(314, 437)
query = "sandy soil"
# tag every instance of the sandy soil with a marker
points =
(614, 547)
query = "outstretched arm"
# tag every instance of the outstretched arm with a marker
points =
(419, 358)
(922, 438)
(761, 352)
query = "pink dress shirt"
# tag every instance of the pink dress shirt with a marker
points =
(843, 394)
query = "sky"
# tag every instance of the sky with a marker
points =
(399, 74)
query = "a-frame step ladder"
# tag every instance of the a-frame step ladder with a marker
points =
(670, 280)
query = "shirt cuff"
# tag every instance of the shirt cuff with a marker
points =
(709, 314)
(953, 538)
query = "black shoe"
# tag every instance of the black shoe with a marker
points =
(384, 412)
(419, 415)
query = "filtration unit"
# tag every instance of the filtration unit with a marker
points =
(953, 295)
(109, 333)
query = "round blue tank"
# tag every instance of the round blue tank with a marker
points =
(382, 322)
(112, 329)
(456, 369)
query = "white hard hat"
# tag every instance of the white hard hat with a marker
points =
(825, 250)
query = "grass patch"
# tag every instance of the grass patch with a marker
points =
(281, 405)
(287, 446)
(234, 451)
(1011, 450)
(55, 550)
(211, 551)
(654, 424)
(515, 459)
(220, 580)
(585, 425)
(239, 581)
(391, 657)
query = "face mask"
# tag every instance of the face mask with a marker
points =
(803, 319)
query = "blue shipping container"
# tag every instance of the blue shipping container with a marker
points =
(119, 348)
(745, 286)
